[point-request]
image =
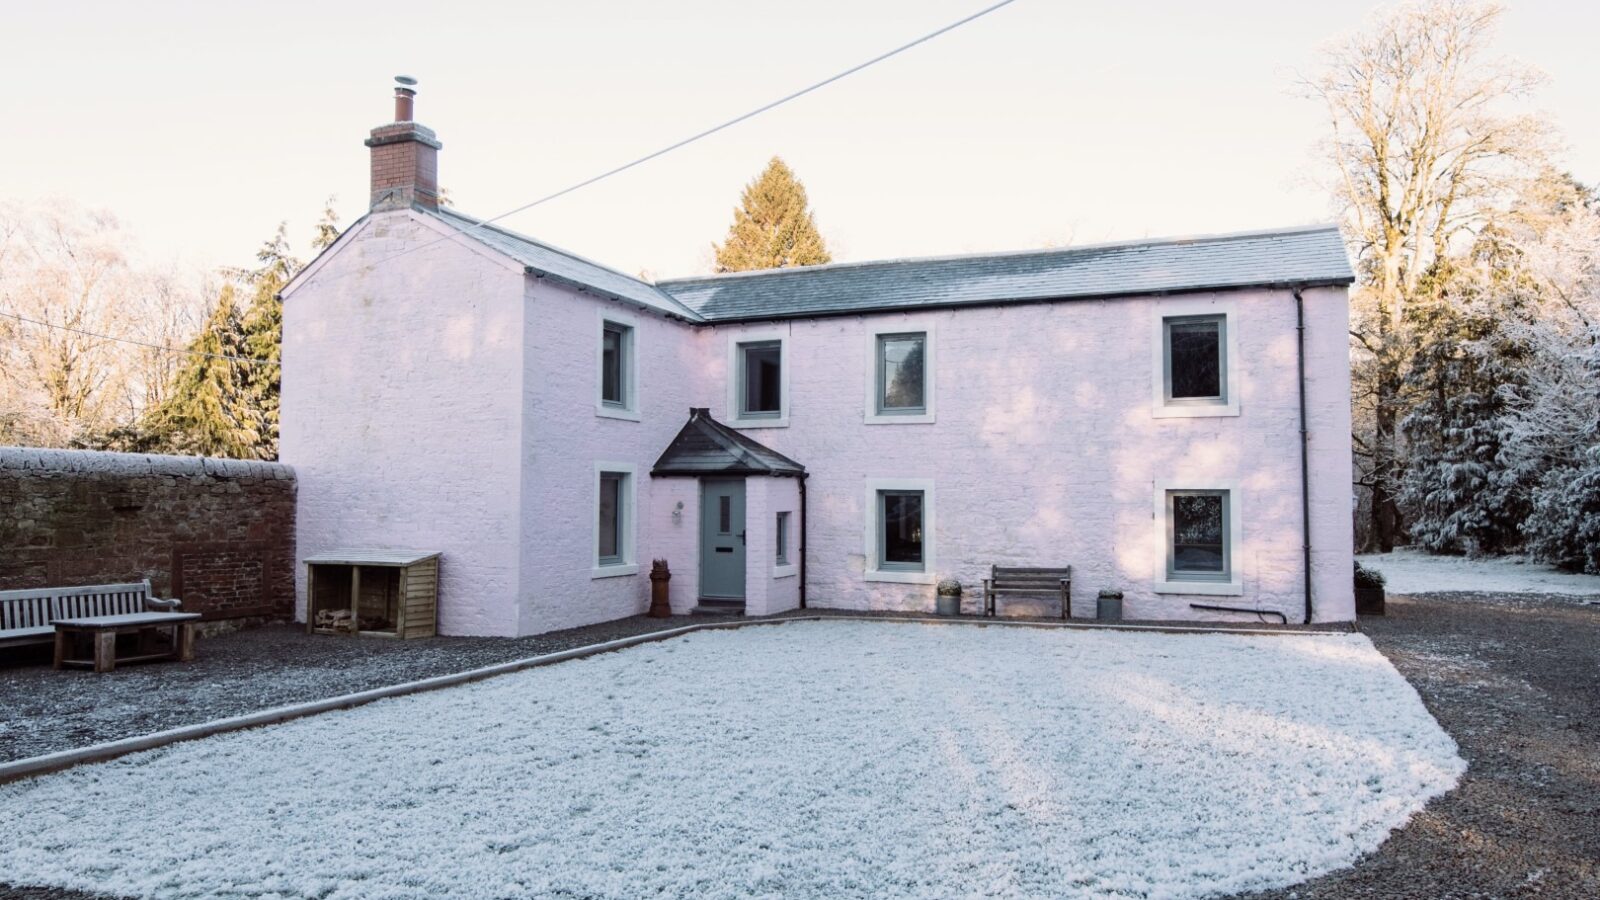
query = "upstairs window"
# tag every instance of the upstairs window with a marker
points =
(1198, 536)
(902, 383)
(1195, 360)
(618, 379)
(760, 380)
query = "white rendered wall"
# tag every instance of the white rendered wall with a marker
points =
(401, 412)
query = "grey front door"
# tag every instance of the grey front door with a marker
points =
(722, 539)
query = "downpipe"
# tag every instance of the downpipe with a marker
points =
(1305, 451)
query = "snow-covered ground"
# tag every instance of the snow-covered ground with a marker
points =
(1414, 572)
(809, 759)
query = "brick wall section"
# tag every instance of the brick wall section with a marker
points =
(217, 533)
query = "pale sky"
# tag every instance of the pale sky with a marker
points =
(203, 124)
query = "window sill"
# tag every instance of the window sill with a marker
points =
(1196, 411)
(901, 577)
(779, 422)
(612, 412)
(787, 571)
(614, 571)
(1201, 588)
(890, 419)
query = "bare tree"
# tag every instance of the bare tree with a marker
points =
(1422, 149)
(65, 283)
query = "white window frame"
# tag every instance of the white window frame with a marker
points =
(736, 377)
(627, 508)
(1161, 407)
(929, 522)
(784, 569)
(1234, 585)
(629, 411)
(929, 358)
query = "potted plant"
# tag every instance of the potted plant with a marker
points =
(949, 602)
(1369, 591)
(1108, 606)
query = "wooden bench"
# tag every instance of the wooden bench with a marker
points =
(26, 616)
(1036, 582)
(103, 630)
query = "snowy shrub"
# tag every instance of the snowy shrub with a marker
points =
(1368, 578)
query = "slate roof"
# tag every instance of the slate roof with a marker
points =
(570, 268)
(1296, 257)
(707, 447)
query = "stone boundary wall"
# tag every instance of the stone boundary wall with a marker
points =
(217, 533)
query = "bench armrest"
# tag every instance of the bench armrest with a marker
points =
(160, 604)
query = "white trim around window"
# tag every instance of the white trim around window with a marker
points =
(1232, 363)
(739, 339)
(785, 565)
(628, 408)
(1165, 582)
(624, 563)
(875, 414)
(873, 569)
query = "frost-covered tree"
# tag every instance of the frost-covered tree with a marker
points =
(1456, 493)
(1552, 419)
(1422, 146)
(773, 226)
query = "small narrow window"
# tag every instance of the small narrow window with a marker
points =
(902, 376)
(761, 380)
(724, 514)
(616, 366)
(900, 537)
(1197, 536)
(609, 552)
(781, 557)
(1196, 360)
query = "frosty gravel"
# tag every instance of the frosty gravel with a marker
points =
(810, 759)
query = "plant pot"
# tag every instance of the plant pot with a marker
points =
(948, 605)
(1369, 601)
(1108, 606)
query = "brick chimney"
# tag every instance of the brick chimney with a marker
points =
(405, 157)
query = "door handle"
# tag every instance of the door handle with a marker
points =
(741, 539)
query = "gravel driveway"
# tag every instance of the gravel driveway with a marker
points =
(1515, 680)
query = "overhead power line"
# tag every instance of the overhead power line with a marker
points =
(795, 95)
(121, 340)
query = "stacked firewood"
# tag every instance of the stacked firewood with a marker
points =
(335, 619)
(341, 620)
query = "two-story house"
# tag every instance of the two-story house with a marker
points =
(1170, 417)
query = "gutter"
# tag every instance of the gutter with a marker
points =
(1305, 439)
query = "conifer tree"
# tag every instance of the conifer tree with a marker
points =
(773, 226)
(327, 228)
(263, 332)
(210, 412)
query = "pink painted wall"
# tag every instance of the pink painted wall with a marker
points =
(564, 440)
(401, 412)
(449, 403)
(1045, 450)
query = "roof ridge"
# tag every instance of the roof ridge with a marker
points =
(486, 224)
(1004, 254)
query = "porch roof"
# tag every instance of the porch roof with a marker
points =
(707, 447)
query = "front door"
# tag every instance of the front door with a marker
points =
(722, 540)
